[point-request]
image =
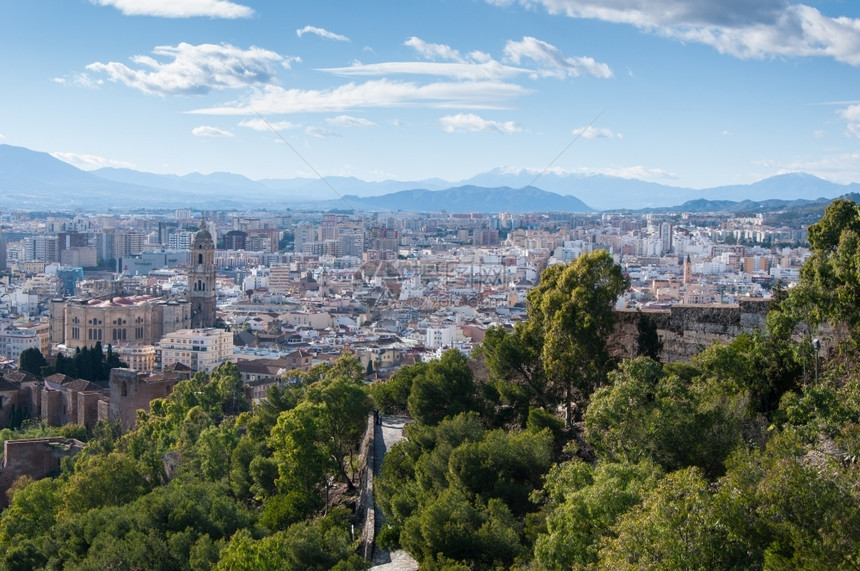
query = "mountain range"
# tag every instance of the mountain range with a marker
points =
(33, 180)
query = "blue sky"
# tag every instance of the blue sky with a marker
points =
(694, 93)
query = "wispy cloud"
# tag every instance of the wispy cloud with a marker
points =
(852, 119)
(433, 51)
(547, 60)
(273, 99)
(321, 32)
(78, 80)
(491, 70)
(207, 131)
(195, 69)
(843, 168)
(469, 122)
(260, 125)
(744, 29)
(179, 8)
(89, 162)
(551, 62)
(347, 121)
(591, 132)
(321, 133)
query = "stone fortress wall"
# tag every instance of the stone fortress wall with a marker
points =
(686, 330)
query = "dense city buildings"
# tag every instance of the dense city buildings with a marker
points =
(392, 288)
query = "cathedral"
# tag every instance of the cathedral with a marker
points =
(201, 279)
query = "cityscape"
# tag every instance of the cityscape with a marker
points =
(393, 287)
(500, 284)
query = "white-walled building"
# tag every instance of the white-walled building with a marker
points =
(199, 349)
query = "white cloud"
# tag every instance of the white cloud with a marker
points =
(323, 33)
(551, 62)
(2, 136)
(469, 122)
(179, 8)
(347, 121)
(591, 132)
(260, 125)
(842, 168)
(852, 119)
(433, 51)
(207, 131)
(89, 162)
(638, 172)
(78, 80)
(321, 133)
(273, 99)
(195, 69)
(742, 28)
(459, 70)
(819, 133)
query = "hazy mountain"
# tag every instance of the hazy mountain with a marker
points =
(601, 192)
(612, 193)
(35, 180)
(470, 199)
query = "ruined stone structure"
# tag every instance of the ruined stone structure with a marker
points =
(33, 457)
(130, 392)
(65, 400)
(686, 330)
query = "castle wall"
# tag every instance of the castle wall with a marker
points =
(33, 457)
(129, 393)
(686, 330)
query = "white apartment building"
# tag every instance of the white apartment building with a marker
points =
(199, 349)
(440, 336)
(14, 341)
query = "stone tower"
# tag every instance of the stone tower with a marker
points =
(688, 270)
(201, 279)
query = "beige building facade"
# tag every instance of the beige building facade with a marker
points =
(136, 320)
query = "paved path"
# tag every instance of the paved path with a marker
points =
(386, 435)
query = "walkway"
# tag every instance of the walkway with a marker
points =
(386, 435)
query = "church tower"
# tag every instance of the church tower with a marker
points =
(201, 279)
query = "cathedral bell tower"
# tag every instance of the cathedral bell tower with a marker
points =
(201, 279)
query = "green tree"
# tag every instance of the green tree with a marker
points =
(391, 396)
(343, 406)
(674, 527)
(647, 414)
(445, 388)
(571, 314)
(829, 287)
(31, 361)
(582, 503)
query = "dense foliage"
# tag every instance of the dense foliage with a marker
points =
(204, 481)
(557, 457)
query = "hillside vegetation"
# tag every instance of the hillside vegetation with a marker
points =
(539, 452)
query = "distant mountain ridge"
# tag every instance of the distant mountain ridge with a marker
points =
(34, 181)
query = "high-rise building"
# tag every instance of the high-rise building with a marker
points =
(201, 279)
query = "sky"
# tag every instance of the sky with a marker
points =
(689, 93)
